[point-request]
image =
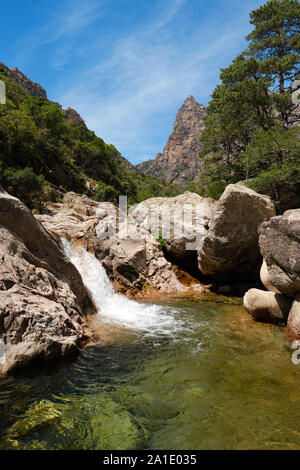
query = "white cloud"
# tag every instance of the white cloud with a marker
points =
(172, 9)
(149, 75)
(64, 24)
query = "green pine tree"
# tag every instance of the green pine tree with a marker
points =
(250, 124)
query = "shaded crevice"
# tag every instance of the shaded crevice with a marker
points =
(226, 285)
(188, 265)
(6, 284)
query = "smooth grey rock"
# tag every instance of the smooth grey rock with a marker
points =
(182, 221)
(130, 255)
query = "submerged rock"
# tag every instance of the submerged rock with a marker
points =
(268, 306)
(42, 296)
(279, 241)
(230, 248)
(98, 422)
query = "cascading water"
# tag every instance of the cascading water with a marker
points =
(151, 320)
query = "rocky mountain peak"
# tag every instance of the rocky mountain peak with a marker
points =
(190, 98)
(179, 163)
(74, 116)
(193, 106)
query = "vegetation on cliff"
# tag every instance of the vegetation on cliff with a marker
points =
(251, 125)
(43, 155)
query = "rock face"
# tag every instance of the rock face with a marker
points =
(180, 221)
(130, 255)
(75, 218)
(266, 280)
(179, 163)
(42, 297)
(267, 306)
(33, 89)
(73, 116)
(231, 245)
(279, 241)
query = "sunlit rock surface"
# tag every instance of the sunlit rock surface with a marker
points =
(230, 247)
(182, 221)
(42, 296)
(129, 253)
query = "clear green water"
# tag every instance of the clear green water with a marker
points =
(226, 382)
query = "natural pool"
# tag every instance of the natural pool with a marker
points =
(217, 381)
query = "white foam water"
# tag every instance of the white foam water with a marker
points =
(151, 320)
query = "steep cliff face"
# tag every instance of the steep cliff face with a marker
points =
(179, 163)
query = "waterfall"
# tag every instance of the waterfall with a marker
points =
(151, 320)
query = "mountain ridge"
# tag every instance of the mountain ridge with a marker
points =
(46, 151)
(36, 90)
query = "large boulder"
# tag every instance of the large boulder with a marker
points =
(181, 221)
(42, 297)
(230, 248)
(279, 241)
(267, 306)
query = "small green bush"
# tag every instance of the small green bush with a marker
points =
(161, 241)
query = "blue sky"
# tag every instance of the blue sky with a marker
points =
(125, 65)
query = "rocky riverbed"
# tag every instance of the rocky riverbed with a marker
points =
(164, 246)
